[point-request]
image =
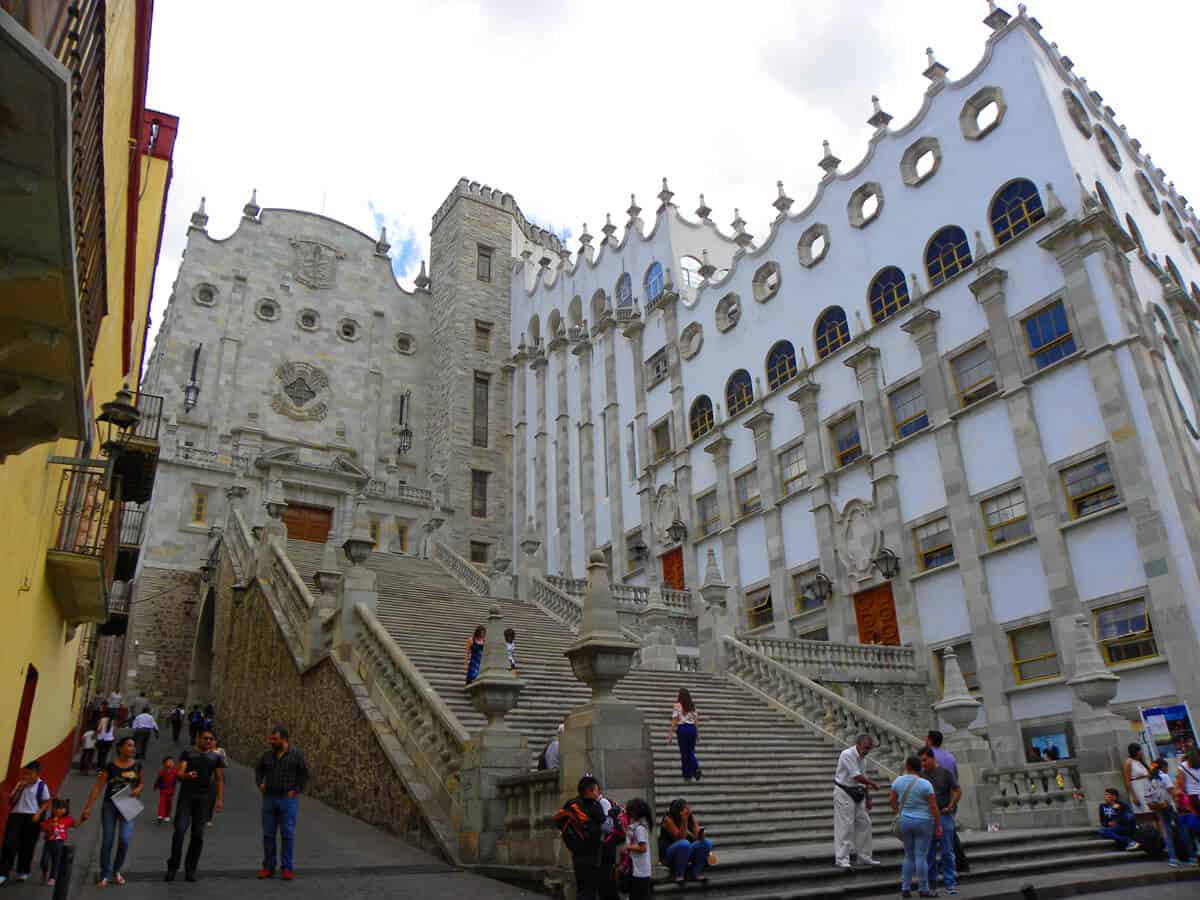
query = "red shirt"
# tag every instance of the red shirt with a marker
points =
(56, 829)
(166, 780)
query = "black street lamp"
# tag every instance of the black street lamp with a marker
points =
(888, 563)
(820, 588)
(677, 532)
(404, 440)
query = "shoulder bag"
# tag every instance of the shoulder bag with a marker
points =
(900, 807)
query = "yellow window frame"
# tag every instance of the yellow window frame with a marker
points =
(662, 449)
(966, 673)
(707, 526)
(832, 339)
(740, 398)
(1017, 663)
(800, 581)
(788, 481)
(898, 424)
(200, 507)
(1074, 502)
(762, 612)
(402, 531)
(782, 372)
(1005, 224)
(970, 394)
(375, 534)
(956, 256)
(892, 299)
(748, 503)
(923, 553)
(1136, 637)
(851, 452)
(701, 422)
(992, 528)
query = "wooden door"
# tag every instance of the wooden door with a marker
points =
(672, 569)
(308, 523)
(875, 611)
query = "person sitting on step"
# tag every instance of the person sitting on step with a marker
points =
(1117, 821)
(682, 846)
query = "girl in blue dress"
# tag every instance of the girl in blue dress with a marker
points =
(475, 652)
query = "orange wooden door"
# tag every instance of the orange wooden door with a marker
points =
(308, 523)
(672, 569)
(875, 611)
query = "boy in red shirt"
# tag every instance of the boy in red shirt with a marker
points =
(165, 785)
(55, 829)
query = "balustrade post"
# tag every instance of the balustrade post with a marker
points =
(359, 584)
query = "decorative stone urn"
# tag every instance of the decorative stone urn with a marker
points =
(495, 691)
(359, 545)
(602, 655)
(1092, 682)
(957, 706)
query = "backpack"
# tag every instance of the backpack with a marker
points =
(579, 829)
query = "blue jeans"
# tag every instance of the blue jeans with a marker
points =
(113, 824)
(688, 858)
(916, 835)
(1168, 823)
(686, 736)
(279, 813)
(1122, 836)
(945, 846)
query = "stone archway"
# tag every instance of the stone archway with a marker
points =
(200, 688)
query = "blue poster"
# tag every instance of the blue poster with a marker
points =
(1169, 729)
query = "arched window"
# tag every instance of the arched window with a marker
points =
(1136, 234)
(831, 331)
(1017, 207)
(781, 364)
(1106, 200)
(700, 419)
(948, 254)
(888, 294)
(654, 282)
(739, 392)
(624, 291)
(1175, 273)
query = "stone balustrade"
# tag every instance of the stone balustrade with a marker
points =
(557, 604)
(240, 544)
(461, 570)
(630, 596)
(292, 594)
(1025, 795)
(819, 707)
(530, 802)
(823, 656)
(432, 735)
(576, 587)
(687, 662)
(677, 600)
(379, 487)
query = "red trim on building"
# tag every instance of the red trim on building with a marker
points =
(56, 763)
(159, 131)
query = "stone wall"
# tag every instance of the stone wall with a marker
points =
(904, 704)
(162, 629)
(256, 684)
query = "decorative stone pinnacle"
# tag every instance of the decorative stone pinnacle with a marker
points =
(585, 239)
(707, 269)
(602, 655)
(329, 576)
(741, 237)
(1093, 682)
(1053, 205)
(713, 590)
(703, 210)
(634, 210)
(803, 357)
(423, 280)
(200, 216)
(829, 162)
(495, 691)
(996, 17)
(957, 706)
(252, 209)
(917, 292)
(665, 194)
(981, 247)
(935, 71)
(359, 545)
(275, 502)
(783, 202)
(879, 119)
(382, 246)
(1090, 202)
(609, 228)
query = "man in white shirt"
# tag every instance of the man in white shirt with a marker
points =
(143, 726)
(30, 797)
(852, 805)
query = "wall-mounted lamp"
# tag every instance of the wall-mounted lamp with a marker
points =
(191, 390)
(819, 589)
(888, 563)
(677, 532)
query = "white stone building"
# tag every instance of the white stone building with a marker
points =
(973, 354)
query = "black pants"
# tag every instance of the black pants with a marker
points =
(960, 855)
(52, 853)
(102, 748)
(176, 727)
(190, 810)
(141, 739)
(606, 889)
(641, 888)
(587, 879)
(20, 838)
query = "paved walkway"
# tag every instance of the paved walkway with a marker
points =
(335, 854)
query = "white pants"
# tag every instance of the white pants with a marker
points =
(851, 827)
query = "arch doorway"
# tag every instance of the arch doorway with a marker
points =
(200, 677)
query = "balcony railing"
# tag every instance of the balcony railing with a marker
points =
(82, 559)
(149, 407)
(133, 521)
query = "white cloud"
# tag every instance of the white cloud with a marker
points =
(569, 106)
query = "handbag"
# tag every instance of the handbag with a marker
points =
(900, 807)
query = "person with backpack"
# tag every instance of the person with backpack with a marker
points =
(581, 824)
(637, 845)
(612, 836)
(27, 803)
(1187, 779)
(682, 846)
(1158, 798)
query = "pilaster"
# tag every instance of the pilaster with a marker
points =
(521, 440)
(562, 458)
(612, 441)
(679, 436)
(719, 450)
(541, 462)
(768, 491)
(587, 445)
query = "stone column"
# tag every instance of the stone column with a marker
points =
(719, 450)
(768, 490)
(521, 441)
(839, 624)
(359, 584)
(633, 332)
(228, 357)
(971, 752)
(714, 622)
(562, 458)
(541, 461)
(495, 752)
(612, 440)
(987, 639)
(587, 443)
(369, 436)
(680, 437)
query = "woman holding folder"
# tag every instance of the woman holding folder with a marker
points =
(121, 781)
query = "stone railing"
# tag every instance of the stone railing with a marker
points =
(240, 544)
(576, 587)
(378, 487)
(687, 662)
(680, 600)
(432, 735)
(630, 596)
(558, 605)
(291, 592)
(1039, 789)
(819, 707)
(825, 655)
(530, 802)
(461, 570)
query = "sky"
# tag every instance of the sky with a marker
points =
(369, 112)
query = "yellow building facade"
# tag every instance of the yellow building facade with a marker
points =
(78, 251)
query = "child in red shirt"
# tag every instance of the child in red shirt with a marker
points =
(55, 829)
(165, 785)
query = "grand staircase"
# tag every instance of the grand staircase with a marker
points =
(765, 798)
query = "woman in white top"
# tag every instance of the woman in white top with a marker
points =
(1136, 775)
(684, 720)
(1187, 778)
(637, 842)
(104, 740)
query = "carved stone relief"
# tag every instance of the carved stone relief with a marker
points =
(303, 391)
(858, 539)
(316, 263)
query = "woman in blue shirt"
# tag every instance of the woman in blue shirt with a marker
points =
(912, 797)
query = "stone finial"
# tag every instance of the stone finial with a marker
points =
(602, 655)
(530, 540)
(858, 320)
(665, 195)
(782, 202)
(1089, 200)
(359, 545)
(585, 239)
(275, 502)
(609, 228)
(957, 706)
(713, 590)
(829, 162)
(803, 358)
(879, 118)
(252, 209)
(981, 247)
(236, 491)
(423, 281)
(1093, 682)
(329, 576)
(495, 691)
(917, 291)
(707, 269)
(935, 71)
(996, 17)
(741, 236)
(1054, 206)
(634, 210)
(703, 210)
(382, 246)
(200, 216)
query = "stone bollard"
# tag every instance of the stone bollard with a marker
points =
(359, 584)
(972, 753)
(713, 624)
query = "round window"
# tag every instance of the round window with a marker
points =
(404, 343)
(982, 113)
(1108, 147)
(1078, 113)
(205, 294)
(813, 245)
(267, 310)
(309, 320)
(865, 204)
(348, 330)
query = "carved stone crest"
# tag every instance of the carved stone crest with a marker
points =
(315, 264)
(858, 539)
(303, 391)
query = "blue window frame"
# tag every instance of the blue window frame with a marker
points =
(888, 294)
(947, 255)
(1048, 335)
(831, 331)
(654, 282)
(1017, 208)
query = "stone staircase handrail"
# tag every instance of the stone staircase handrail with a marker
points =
(240, 543)
(820, 708)
(461, 570)
(1033, 786)
(675, 599)
(576, 587)
(295, 599)
(826, 655)
(556, 603)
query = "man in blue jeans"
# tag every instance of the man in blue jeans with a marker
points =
(281, 775)
(947, 792)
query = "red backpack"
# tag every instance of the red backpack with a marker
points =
(580, 831)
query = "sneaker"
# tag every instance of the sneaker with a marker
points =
(952, 891)
(263, 873)
(287, 874)
(1175, 864)
(119, 878)
(49, 882)
(868, 861)
(842, 863)
(1131, 846)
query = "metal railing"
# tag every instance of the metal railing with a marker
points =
(118, 598)
(133, 524)
(90, 520)
(149, 407)
(827, 655)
